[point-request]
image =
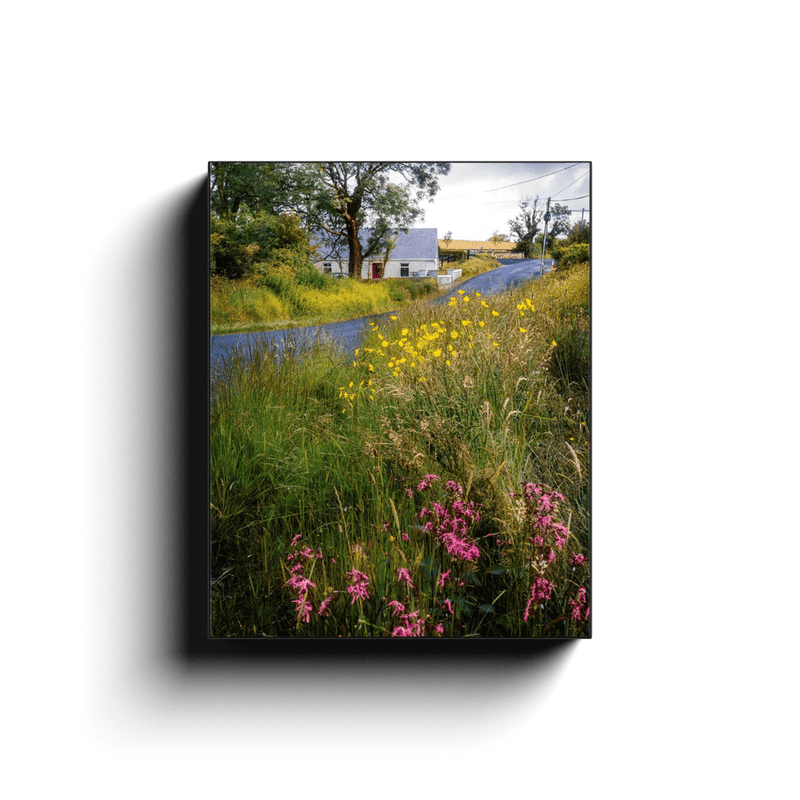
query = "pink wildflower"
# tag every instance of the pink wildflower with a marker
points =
(403, 575)
(405, 537)
(397, 607)
(412, 627)
(323, 606)
(300, 584)
(426, 482)
(578, 603)
(447, 605)
(541, 589)
(304, 609)
(460, 548)
(358, 588)
(442, 578)
(576, 559)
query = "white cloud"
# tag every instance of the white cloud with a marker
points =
(476, 199)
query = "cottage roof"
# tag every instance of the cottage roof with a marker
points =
(417, 243)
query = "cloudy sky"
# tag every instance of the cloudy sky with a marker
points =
(477, 199)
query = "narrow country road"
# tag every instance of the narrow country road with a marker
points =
(347, 335)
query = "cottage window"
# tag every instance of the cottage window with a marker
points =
(403, 270)
(326, 268)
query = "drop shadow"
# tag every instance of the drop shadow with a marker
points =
(186, 637)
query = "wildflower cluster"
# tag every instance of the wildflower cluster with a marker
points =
(300, 584)
(542, 589)
(452, 522)
(546, 537)
(350, 393)
(358, 586)
(578, 604)
(410, 622)
(545, 533)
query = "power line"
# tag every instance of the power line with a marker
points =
(567, 199)
(570, 184)
(529, 180)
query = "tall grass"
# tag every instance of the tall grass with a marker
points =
(437, 484)
(244, 305)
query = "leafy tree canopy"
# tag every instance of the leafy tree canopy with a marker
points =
(530, 221)
(344, 197)
(268, 187)
(252, 202)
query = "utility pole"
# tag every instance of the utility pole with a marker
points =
(544, 238)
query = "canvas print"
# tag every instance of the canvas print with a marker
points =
(400, 399)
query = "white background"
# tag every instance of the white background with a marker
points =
(687, 112)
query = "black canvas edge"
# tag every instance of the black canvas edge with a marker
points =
(198, 641)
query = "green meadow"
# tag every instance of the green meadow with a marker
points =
(437, 484)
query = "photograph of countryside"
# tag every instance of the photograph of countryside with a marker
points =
(400, 399)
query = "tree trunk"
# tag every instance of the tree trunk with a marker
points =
(354, 248)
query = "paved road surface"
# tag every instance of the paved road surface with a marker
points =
(347, 335)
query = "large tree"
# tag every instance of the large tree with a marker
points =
(252, 206)
(527, 224)
(258, 186)
(342, 198)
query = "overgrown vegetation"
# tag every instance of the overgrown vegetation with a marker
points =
(436, 484)
(280, 298)
(290, 291)
(574, 249)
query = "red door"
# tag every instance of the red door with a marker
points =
(376, 271)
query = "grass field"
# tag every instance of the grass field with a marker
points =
(437, 484)
(242, 306)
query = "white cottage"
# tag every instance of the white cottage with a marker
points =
(414, 255)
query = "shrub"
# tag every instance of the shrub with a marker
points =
(570, 255)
